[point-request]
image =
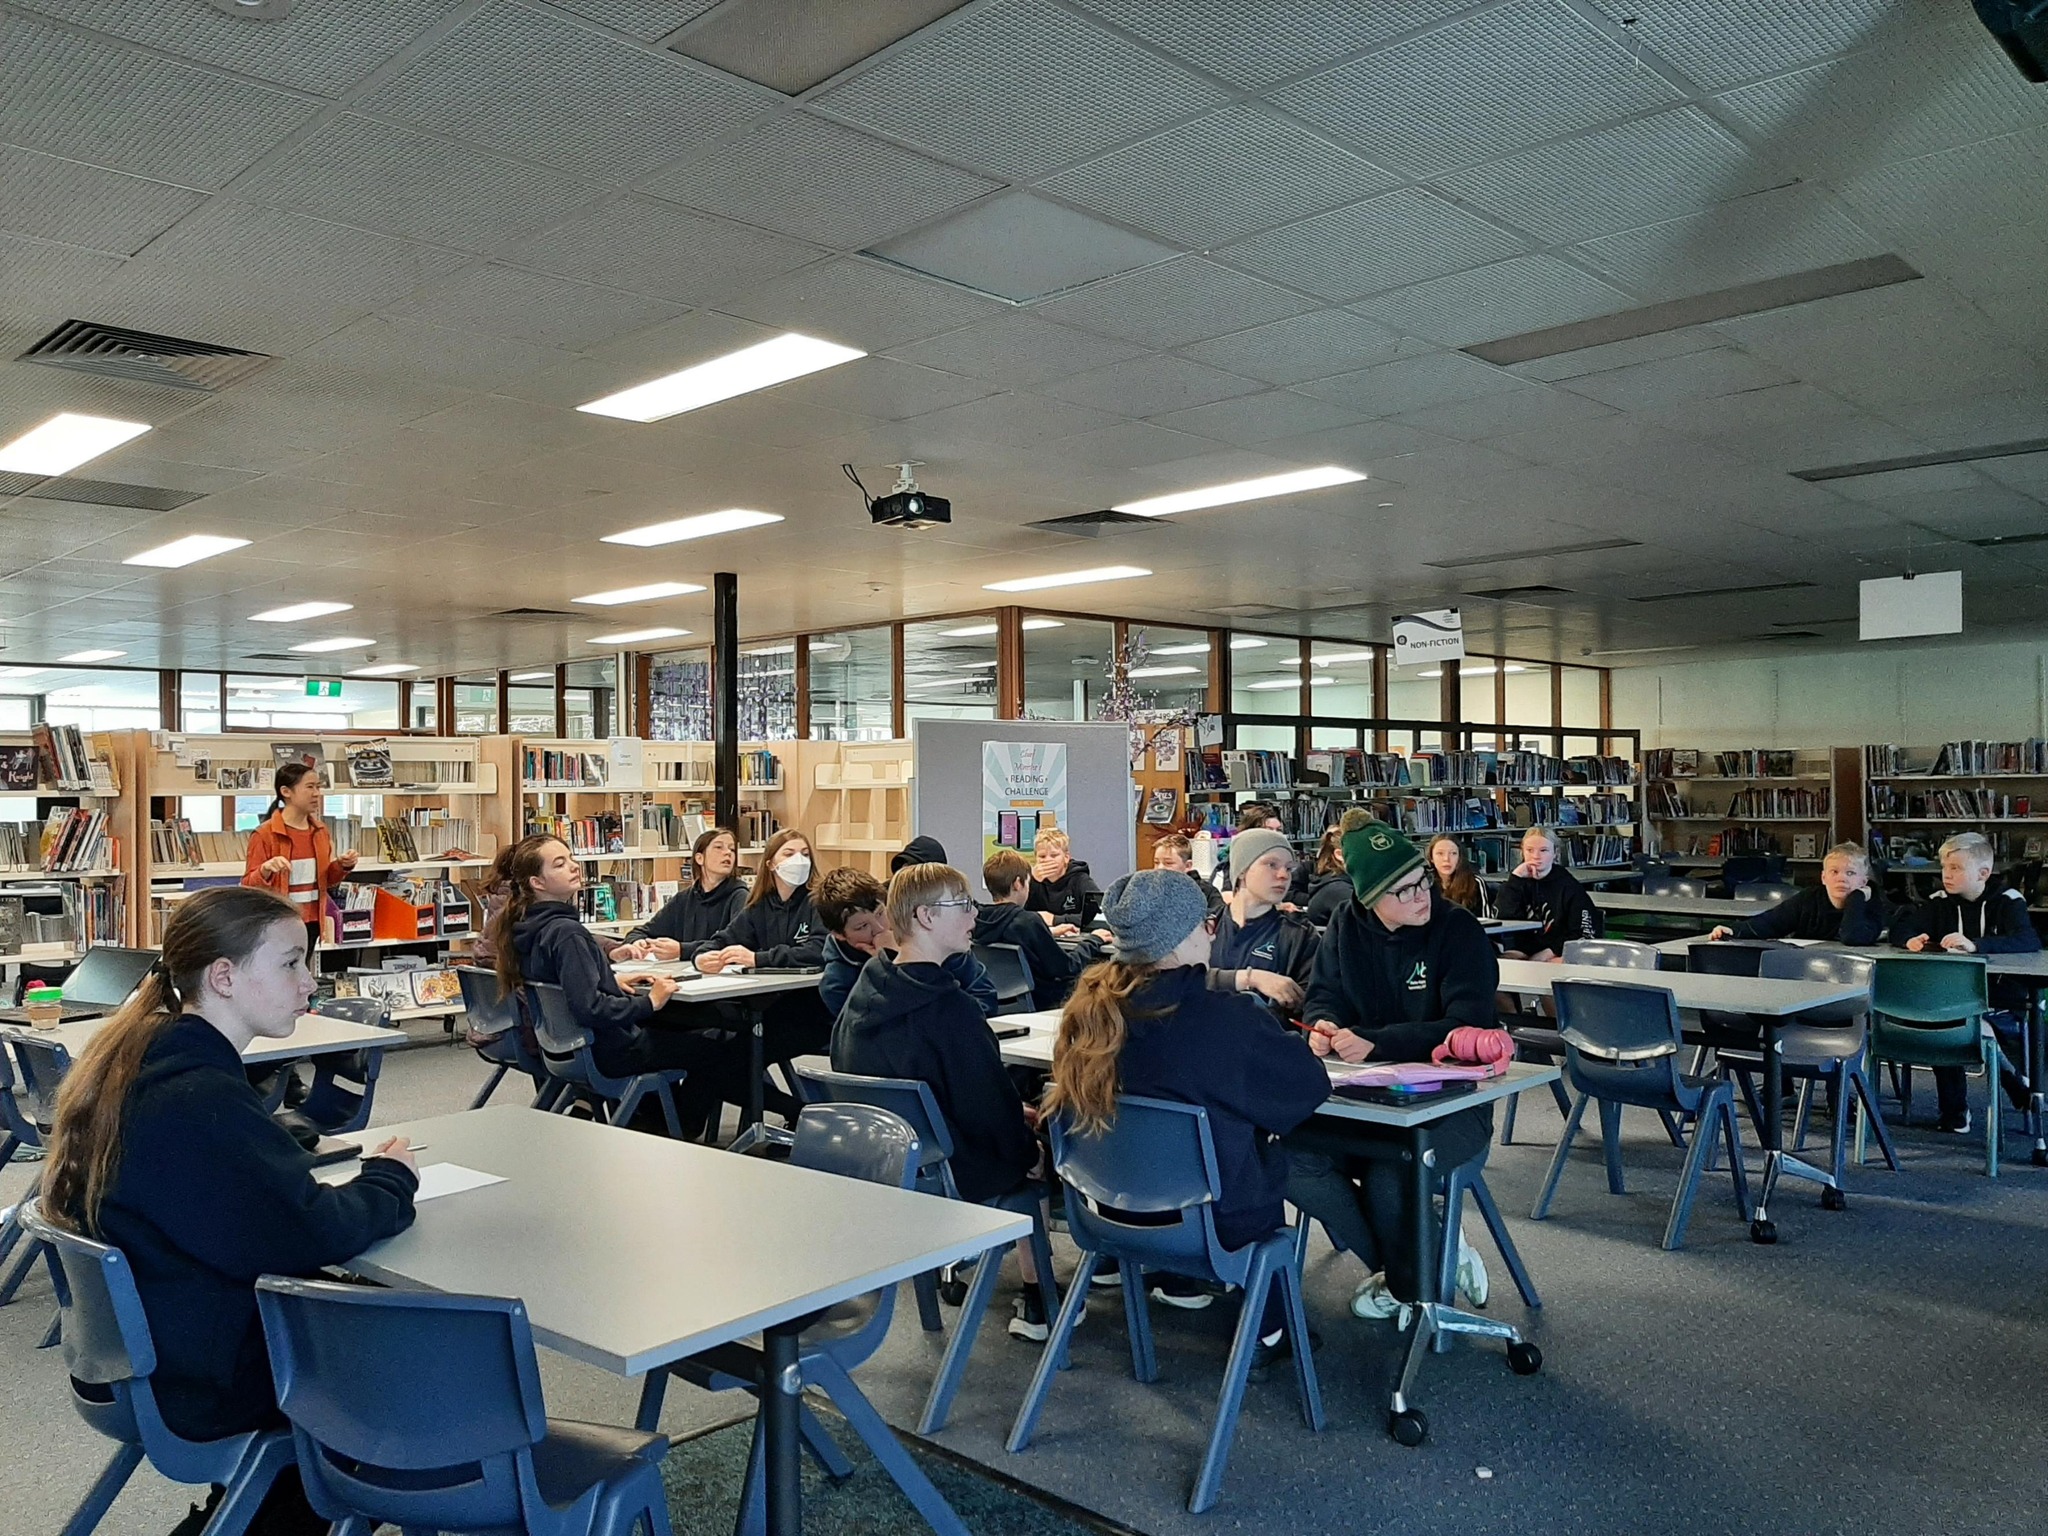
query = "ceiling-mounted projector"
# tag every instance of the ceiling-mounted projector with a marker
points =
(905, 506)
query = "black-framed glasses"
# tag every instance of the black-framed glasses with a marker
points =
(958, 901)
(1411, 890)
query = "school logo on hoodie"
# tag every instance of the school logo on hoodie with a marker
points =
(1418, 979)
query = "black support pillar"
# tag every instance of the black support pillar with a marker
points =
(725, 696)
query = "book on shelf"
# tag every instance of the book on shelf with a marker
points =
(369, 764)
(759, 770)
(1661, 799)
(76, 841)
(18, 768)
(12, 909)
(1888, 803)
(65, 760)
(1671, 763)
(311, 753)
(1778, 803)
(550, 768)
(1966, 757)
(1756, 764)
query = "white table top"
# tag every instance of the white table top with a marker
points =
(1501, 925)
(1720, 994)
(724, 985)
(1679, 906)
(2032, 964)
(632, 1250)
(313, 1035)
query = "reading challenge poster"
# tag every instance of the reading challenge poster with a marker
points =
(1023, 790)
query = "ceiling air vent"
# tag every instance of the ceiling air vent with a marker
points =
(537, 613)
(1509, 594)
(1093, 525)
(98, 493)
(285, 656)
(89, 347)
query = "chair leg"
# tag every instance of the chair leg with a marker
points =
(1610, 1145)
(1805, 1111)
(1306, 1382)
(1041, 1379)
(1710, 1130)
(1507, 1120)
(1230, 1402)
(1558, 1159)
(1738, 1173)
(665, 1095)
(1751, 1102)
(926, 1288)
(881, 1441)
(1138, 1322)
(483, 1094)
(629, 1103)
(823, 1448)
(966, 1328)
(1871, 1118)
(1447, 1249)
(1674, 1127)
(1994, 1100)
(23, 1263)
(105, 1488)
(1510, 1255)
(249, 1487)
(1838, 1133)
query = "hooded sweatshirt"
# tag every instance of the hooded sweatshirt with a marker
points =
(209, 1193)
(1404, 989)
(915, 1021)
(1054, 966)
(843, 965)
(1996, 922)
(1257, 1079)
(1326, 893)
(1558, 902)
(919, 850)
(691, 917)
(1273, 941)
(1073, 898)
(1810, 915)
(554, 947)
(779, 932)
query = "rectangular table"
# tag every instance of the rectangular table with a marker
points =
(744, 987)
(312, 1035)
(632, 1251)
(1718, 908)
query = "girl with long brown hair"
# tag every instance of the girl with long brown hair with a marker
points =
(687, 921)
(162, 1149)
(1455, 876)
(779, 928)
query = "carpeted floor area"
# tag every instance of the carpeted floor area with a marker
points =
(1880, 1371)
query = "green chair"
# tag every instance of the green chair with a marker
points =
(1930, 1013)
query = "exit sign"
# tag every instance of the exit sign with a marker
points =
(323, 687)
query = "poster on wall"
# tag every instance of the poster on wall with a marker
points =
(1023, 792)
(1166, 751)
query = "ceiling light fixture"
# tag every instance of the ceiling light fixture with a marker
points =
(1288, 682)
(785, 648)
(775, 361)
(22, 671)
(193, 547)
(702, 526)
(1162, 671)
(79, 658)
(975, 631)
(64, 442)
(634, 636)
(1241, 490)
(1067, 578)
(1465, 671)
(1248, 643)
(546, 673)
(1337, 658)
(335, 643)
(384, 669)
(646, 594)
(297, 612)
(1199, 648)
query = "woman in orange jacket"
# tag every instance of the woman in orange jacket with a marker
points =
(290, 852)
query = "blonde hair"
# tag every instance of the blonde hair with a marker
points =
(1855, 853)
(1545, 833)
(1053, 837)
(1093, 1026)
(921, 885)
(1970, 845)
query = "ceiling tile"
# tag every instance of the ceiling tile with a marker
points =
(885, 389)
(1773, 234)
(860, 302)
(1619, 354)
(1291, 35)
(817, 180)
(1260, 418)
(1016, 349)
(1511, 76)
(541, 86)
(1221, 176)
(1131, 443)
(70, 202)
(43, 284)
(1014, 419)
(1718, 42)
(1310, 346)
(1497, 416)
(1018, 246)
(1412, 383)
(1672, 380)
(1150, 385)
(528, 306)
(1381, 243)
(1529, 293)
(1175, 303)
(652, 247)
(1018, 89)
(650, 20)
(465, 359)
(85, 99)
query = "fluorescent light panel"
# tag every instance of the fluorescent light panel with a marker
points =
(1585, 547)
(193, 547)
(385, 669)
(786, 648)
(546, 673)
(335, 643)
(1248, 643)
(1068, 578)
(646, 594)
(976, 631)
(1465, 671)
(633, 636)
(767, 363)
(1241, 490)
(702, 526)
(80, 658)
(64, 442)
(1289, 682)
(1162, 671)
(298, 612)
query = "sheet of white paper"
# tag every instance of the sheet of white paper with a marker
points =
(438, 1179)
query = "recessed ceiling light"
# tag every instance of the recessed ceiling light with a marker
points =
(775, 361)
(971, 666)
(702, 526)
(266, 684)
(1161, 671)
(297, 612)
(1248, 643)
(384, 669)
(194, 546)
(546, 673)
(335, 643)
(64, 442)
(646, 594)
(22, 671)
(783, 648)
(1240, 490)
(1289, 682)
(1465, 671)
(81, 657)
(1067, 578)
(974, 631)
(632, 636)
(1334, 658)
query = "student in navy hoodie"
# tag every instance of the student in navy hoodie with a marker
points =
(1145, 1022)
(1969, 917)
(1842, 908)
(849, 902)
(1061, 886)
(778, 927)
(1008, 919)
(1542, 890)
(162, 1149)
(541, 937)
(909, 1017)
(688, 920)
(1259, 948)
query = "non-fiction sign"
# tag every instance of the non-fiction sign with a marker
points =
(1435, 635)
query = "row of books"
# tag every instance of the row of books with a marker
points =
(617, 899)
(76, 841)
(551, 768)
(61, 757)
(1887, 803)
(585, 835)
(423, 833)
(419, 835)
(1240, 768)
(89, 914)
(1476, 769)
(1780, 802)
(2029, 756)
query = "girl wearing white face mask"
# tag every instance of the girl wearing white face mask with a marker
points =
(778, 928)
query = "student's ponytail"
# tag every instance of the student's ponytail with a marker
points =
(526, 861)
(1091, 1038)
(283, 782)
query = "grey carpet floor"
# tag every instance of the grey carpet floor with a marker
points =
(1881, 1370)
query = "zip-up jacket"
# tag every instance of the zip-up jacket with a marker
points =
(1810, 915)
(1558, 902)
(1273, 941)
(315, 870)
(1404, 989)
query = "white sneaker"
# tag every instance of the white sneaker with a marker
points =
(1372, 1300)
(1472, 1278)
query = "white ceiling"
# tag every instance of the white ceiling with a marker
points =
(452, 221)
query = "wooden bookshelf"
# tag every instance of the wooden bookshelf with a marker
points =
(1915, 798)
(98, 900)
(1705, 809)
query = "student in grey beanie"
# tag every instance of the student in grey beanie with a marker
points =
(1150, 912)
(1247, 848)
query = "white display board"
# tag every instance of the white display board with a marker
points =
(973, 774)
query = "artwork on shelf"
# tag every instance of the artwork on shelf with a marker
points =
(1166, 752)
(202, 769)
(435, 987)
(18, 767)
(391, 988)
(1161, 807)
(307, 752)
(237, 777)
(369, 764)
(1804, 845)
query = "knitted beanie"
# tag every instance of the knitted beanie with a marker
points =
(1247, 848)
(1150, 912)
(1375, 856)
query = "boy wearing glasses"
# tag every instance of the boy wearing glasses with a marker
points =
(1403, 974)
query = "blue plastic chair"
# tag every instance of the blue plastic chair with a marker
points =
(1539, 1043)
(912, 1101)
(1158, 1159)
(857, 1141)
(111, 1357)
(1764, 890)
(425, 1412)
(1673, 885)
(497, 1031)
(1009, 972)
(1622, 1043)
(42, 1065)
(16, 1131)
(345, 1082)
(566, 1052)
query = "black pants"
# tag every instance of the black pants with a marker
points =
(284, 1511)
(705, 1057)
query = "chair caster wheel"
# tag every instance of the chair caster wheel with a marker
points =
(1524, 1358)
(2041, 1157)
(1832, 1199)
(1408, 1427)
(1763, 1231)
(952, 1289)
